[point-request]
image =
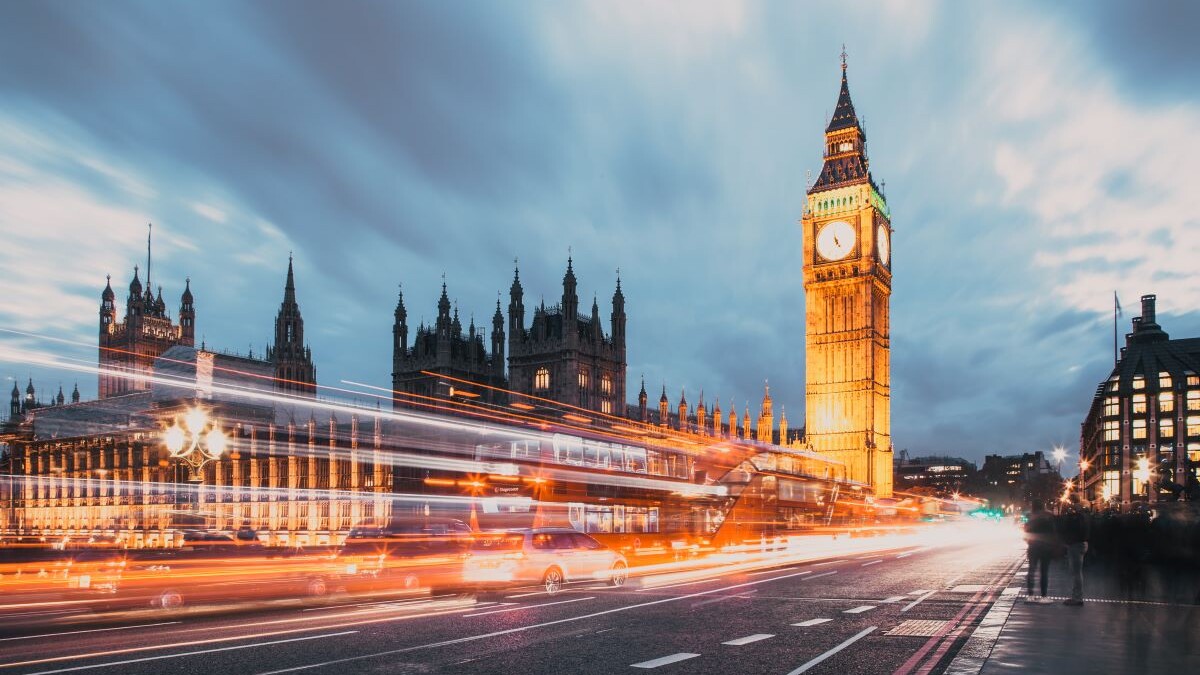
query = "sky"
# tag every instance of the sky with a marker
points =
(1036, 159)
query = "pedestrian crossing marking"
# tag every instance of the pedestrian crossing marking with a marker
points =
(918, 628)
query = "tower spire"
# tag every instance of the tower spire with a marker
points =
(149, 231)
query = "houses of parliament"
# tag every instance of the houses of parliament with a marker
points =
(528, 356)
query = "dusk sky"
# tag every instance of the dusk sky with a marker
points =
(1036, 160)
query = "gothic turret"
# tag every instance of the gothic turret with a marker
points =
(683, 410)
(187, 314)
(108, 306)
(14, 409)
(664, 415)
(75, 394)
(134, 304)
(400, 328)
(294, 370)
(618, 315)
(717, 418)
(643, 411)
(516, 305)
(570, 299)
(498, 341)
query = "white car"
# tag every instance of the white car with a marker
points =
(550, 557)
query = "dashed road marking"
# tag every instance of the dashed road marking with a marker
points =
(521, 607)
(919, 591)
(829, 562)
(894, 598)
(665, 660)
(812, 622)
(859, 610)
(861, 634)
(748, 639)
(873, 562)
(918, 601)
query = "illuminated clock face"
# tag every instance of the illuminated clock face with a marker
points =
(884, 246)
(835, 240)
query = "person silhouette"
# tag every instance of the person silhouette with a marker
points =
(1039, 536)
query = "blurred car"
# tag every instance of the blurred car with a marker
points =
(550, 557)
(405, 555)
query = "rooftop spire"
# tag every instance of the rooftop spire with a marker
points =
(289, 289)
(843, 115)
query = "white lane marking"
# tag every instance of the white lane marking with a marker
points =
(518, 629)
(194, 653)
(919, 591)
(778, 569)
(859, 610)
(524, 595)
(831, 562)
(674, 658)
(822, 574)
(93, 630)
(894, 598)
(748, 639)
(517, 609)
(869, 557)
(918, 601)
(412, 601)
(685, 583)
(873, 562)
(812, 622)
(862, 634)
(904, 555)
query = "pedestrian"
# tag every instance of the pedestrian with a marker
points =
(1074, 529)
(1039, 536)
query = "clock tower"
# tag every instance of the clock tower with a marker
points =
(848, 288)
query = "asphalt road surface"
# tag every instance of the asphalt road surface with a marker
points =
(904, 610)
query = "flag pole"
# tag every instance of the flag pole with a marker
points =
(1116, 311)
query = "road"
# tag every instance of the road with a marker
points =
(903, 610)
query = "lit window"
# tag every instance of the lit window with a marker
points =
(1112, 430)
(1112, 406)
(541, 379)
(1193, 380)
(1166, 402)
(1164, 380)
(1166, 428)
(606, 385)
(1139, 382)
(1193, 399)
(1139, 428)
(606, 407)
(1139, 404)
(584, 379)
(1193, 425)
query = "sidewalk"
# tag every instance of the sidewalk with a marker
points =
(1153, 627)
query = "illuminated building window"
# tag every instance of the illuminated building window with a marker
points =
(1112, 406)
(1164, 380)
(1193, 399)
(606, 407)
(1139, 382)
(1166, 402)
(1139, 428)
(1193, 380)
(541, 379)
(1112, 430)
(584, 378)
(606, 384)
(1139, 404)
(1166, 427)
(1193, 425)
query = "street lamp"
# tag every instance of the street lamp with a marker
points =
(195, 441)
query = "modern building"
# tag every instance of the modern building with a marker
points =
(1140, 440)
(939, 476)
(441, 358)
(1011, 479)
(848, 286)
(566, 356)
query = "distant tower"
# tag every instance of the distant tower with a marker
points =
(643, 410)
(187, 313)
(14, 410)
(717, 418)
(701, 422)
(732, 419)
(75, 394)
(498, 338)
(294, 370)
(683, 410)
(664, 415)
(766, 419)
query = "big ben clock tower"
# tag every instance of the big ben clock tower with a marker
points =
(848, 288)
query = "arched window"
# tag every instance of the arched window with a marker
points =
(541, 379)
(606, 383)
(585, 379)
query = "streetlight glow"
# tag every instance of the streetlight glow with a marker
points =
(1059, 454)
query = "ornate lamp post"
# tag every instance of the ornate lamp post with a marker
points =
(194, 441)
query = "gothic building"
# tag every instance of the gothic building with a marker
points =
(441, 355)
(564, 355)
(128, 348)
(294, 369)
(848, 286)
